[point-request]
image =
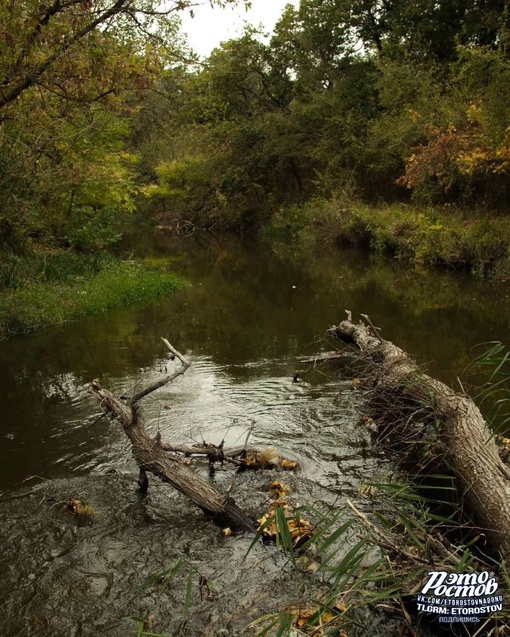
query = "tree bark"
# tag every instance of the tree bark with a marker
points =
(151, 456)
(469, 445)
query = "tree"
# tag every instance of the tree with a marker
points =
(38, 38)
(73, 73)
(368, 94)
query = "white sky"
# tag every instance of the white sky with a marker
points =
(209, 27)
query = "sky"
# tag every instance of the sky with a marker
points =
(210, 26)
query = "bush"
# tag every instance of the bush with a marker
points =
(427, 237)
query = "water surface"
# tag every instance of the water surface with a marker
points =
(251, 313)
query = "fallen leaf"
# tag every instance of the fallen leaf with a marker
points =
(279, 489)
(76, 507)
(289, 465)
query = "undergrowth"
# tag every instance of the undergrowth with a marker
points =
(372, 559)
(379, 561)
(375, 555)
(426, 237)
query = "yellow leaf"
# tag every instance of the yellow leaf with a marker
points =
(289, 465)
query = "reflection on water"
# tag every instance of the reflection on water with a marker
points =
(248, 317)
(245, 320)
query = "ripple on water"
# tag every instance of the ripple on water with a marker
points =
(66, 574)
(65, 578)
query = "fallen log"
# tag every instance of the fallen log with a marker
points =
(468, 444)
(152, 457)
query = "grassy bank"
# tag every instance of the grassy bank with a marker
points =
(39, 292)
(426, 237)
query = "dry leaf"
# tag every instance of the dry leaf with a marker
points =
(76, 507)
(289, 465)
(279, 489)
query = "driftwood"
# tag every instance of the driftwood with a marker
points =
(154, 457)
(468, 444)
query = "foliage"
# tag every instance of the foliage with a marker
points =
(73, 75)
(426, 237)
(379, 557)
(103, 108)
(380, 99)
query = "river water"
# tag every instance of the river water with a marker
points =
(249, 317)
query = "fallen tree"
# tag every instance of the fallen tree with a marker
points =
(153, 456)
(399, 390)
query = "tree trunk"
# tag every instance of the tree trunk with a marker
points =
(469, 444)
(151, 457)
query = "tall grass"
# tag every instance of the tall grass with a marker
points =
(425, 237)
(58, 267)
(376, 554)
(494, 395)
(71, 288)
(378, 559)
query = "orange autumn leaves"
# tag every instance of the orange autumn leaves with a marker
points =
(457, 151)
(281, 522)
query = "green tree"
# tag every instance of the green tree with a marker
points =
(378, 97)
(73, 74)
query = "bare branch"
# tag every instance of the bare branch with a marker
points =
(164, 381)
(382, 539)
(151, 457)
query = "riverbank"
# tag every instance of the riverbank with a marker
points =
(47, 290)
(426, 237)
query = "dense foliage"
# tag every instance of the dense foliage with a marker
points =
(381, 100)
(104, 110)
(73, 76)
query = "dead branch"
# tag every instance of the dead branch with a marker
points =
(164, 381)
(152, 457)
(468, 444)
(383, 540)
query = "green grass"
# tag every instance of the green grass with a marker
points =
(112, 284)
(426, 237)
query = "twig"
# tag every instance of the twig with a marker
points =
(25, 494)
(248, 435)
(210, 451)
(96, 420)
(375, 329)
(384, 540)
(167, 379)
(328, 356)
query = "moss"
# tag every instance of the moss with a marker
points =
(117, 284)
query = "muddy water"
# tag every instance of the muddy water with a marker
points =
(249, 316)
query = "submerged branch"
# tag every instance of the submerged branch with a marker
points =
(152, 455)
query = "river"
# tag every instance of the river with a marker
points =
(251, 313)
